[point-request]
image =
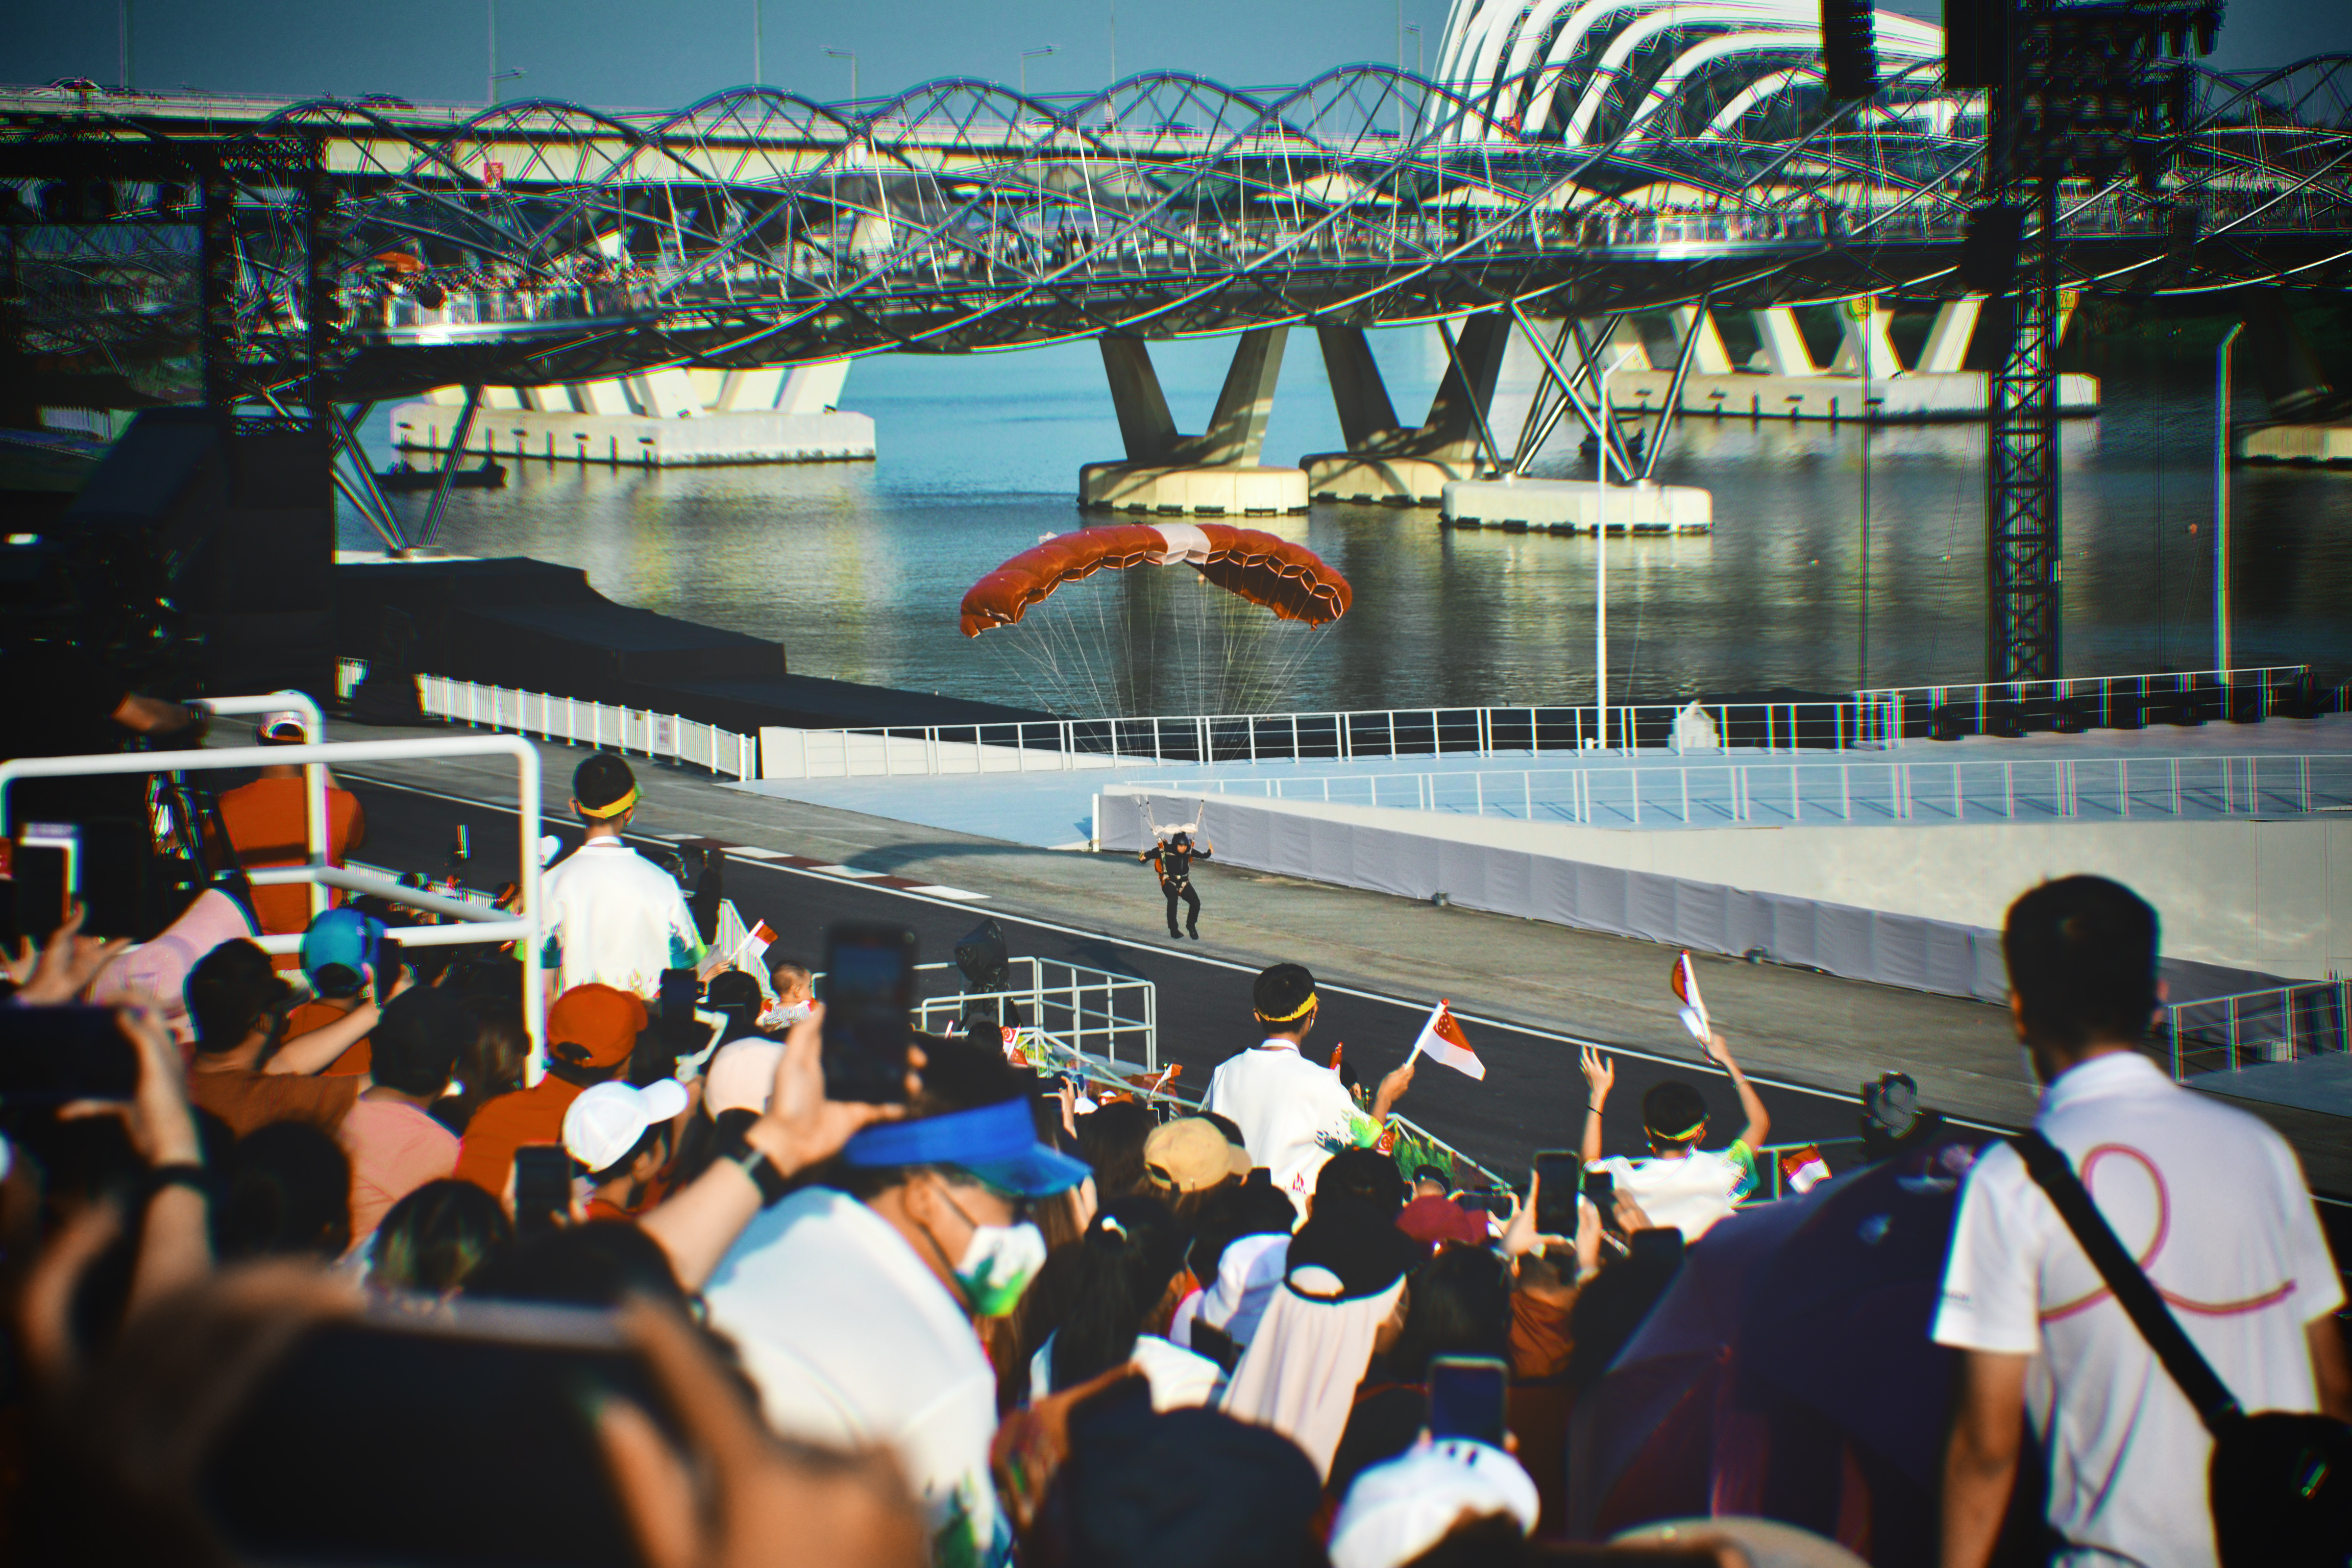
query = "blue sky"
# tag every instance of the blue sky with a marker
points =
(630, 54)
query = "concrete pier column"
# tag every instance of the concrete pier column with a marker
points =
(813, 388)
(1947, 339)
(1785, 353)
(1709, 357)
(1387, 465)
(1216, 473)
(2310, 420)
(1863, 347)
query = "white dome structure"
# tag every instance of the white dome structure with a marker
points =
(1598, 73)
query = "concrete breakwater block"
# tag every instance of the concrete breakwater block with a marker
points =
(757, 436)
(1239, 490)
(1912, 397)
(1570, 505)
(1370, 478)
(2297, 444)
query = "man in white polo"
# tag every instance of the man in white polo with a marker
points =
(614, 917)
(1293, 1112)
(2208, 1199)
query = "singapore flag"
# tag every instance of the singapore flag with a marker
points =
(1441, 1040)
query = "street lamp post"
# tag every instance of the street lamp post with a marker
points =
(2222, 498)
(851, 55)
(756, 77)
(1040, 52)
(1601, 554)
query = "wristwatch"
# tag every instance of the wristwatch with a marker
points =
(772, 1184)
(180, 1173)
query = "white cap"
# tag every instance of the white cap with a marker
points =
(284, 719)
(605, 1122)
(742, 1075)
(1398, 1511)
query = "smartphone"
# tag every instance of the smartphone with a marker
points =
(869, 998)
(1600, 1186)
(502, 1394)
(46, 864)
(49, 1056)
(1468, 1395)
(388, 965)
(1494, 1203)
(542, 1188)
(1558, 1172)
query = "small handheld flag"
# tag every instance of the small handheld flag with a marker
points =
(1683, 978)
(1803, 1169)
(1441, 1040)
(751, 949)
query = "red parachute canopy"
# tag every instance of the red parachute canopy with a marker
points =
(1289, 579)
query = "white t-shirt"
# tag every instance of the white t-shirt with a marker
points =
(616, 918)
(1292, 1113)
(851, 1340)
(2212, 1204)
(1689, 1192)
(1180, 1378)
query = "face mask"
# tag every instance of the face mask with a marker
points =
(998, 1264)
(783, 1014)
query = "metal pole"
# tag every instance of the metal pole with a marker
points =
(1861, 638)
(2221, 506)
(122, 42)
(491, 77)
(430, 531)
(756, 77)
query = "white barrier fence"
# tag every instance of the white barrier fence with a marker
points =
(1713, 794)
(2285, 1024)
(577, 722)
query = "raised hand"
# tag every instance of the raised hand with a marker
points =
(1600, 1077)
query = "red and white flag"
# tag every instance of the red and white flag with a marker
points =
(1441, 1040)
(750, 950)
(1685, 980)
(1803, 1169)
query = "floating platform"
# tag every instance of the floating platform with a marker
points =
(1911, 397)
(1574, 506)
(1219, 489)
(2307, 444)
(691, 440)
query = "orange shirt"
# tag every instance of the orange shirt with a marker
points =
(507, 1123)
(312, 1016)
(263, 819)
(249, 1099)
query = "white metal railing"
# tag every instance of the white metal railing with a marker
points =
(2093, 700)
(1113, 1018)
(473, 922)
(1872, 720)
(575, 721)
(1074, 744)
(2284, 1024)
(1691, 793)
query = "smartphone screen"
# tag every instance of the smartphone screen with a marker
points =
(46, 864)
(49, 1056)
(480, 1417)
(1468, 1395)
(542, 1187)
(869, 994)
(1558, 1173)
(1600, 1186)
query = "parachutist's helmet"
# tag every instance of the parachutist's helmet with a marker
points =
(1180, 839)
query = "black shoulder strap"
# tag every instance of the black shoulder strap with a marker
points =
(2134, 1292)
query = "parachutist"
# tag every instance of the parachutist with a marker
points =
(1175, 857)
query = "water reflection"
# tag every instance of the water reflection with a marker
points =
(858, 568)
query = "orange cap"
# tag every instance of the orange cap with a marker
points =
(599, 1024)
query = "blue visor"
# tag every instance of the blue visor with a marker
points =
(996, 1144)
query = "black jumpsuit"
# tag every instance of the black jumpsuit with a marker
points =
(1175, 869)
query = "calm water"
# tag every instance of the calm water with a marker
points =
(858, 568)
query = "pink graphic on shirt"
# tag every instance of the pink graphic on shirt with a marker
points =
(2270, 1298)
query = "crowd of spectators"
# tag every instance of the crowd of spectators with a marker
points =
(275, 1298)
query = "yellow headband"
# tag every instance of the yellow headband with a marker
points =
(1299, 1012)
(618, 807)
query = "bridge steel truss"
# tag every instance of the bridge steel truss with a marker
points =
(542, 242)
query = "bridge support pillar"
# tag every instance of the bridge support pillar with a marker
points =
(1785, 353)
(1389, 466)
(1214, 474)
(1948, 341)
